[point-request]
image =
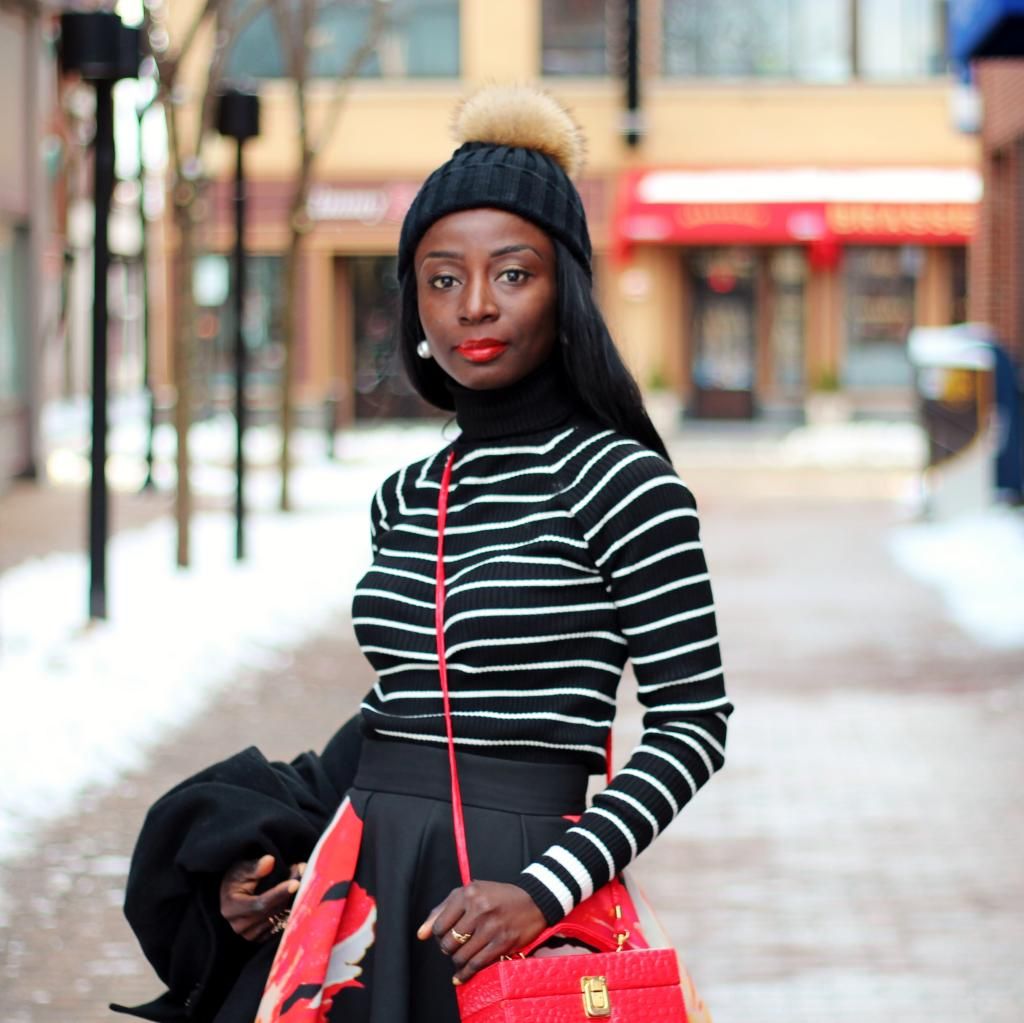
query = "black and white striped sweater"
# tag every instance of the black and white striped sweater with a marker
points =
(568, 549)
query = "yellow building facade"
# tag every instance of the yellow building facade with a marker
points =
(767, 237)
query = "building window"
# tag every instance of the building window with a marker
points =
(262, 324)
(881, 285)
(804, 40)
(421, 40)
(901, 39)
(574, 36)
(12, 312)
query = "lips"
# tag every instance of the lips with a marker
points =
(483, 349)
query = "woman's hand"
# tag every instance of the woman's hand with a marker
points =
(249, 913)
(499, 919)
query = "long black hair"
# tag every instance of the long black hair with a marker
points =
(589, 359)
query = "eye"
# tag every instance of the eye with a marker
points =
(443, 282)
(514, 275)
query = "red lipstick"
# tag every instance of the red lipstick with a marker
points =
(482, 349)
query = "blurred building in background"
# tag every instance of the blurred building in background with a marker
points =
(997, 279)
(988, 39)
(27, 90)
(798, 200)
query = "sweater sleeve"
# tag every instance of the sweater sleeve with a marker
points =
(640, 523)
(378, 518)
(383, 505)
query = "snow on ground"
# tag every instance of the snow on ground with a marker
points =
(977, 563)
(869, 444)
(854, 444)
(82, 703)
(358, 451)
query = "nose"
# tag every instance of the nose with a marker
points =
(478, 304)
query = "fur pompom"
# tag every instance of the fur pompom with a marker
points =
(524, 116)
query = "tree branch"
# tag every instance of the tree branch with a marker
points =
(294, 34)
(378, 21)
(168, 66)
(229, 29)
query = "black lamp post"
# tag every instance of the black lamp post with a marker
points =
(238, 117)
(102, 50)
(632, 118)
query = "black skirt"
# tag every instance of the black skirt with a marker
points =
(389, 859)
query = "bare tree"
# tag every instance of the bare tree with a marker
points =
(225, 19)
(296, 22)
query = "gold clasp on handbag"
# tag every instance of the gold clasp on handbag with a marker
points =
(596, 1002)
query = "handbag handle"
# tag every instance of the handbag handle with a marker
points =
(458, 820)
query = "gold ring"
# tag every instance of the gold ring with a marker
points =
(461, 938)
(278, 921)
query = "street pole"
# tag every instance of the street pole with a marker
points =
(102, 50)
(632, 121)
(239, 353)
(238, 117)
(103, 168)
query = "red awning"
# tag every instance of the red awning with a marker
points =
(819, 207)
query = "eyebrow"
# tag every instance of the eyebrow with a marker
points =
(505, 250)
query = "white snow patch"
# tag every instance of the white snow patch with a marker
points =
(854, 444)
(868, 444)
(977, 563)
(82, 703)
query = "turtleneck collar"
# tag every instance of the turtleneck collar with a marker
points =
(540, 401)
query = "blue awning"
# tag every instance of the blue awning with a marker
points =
(986, 28)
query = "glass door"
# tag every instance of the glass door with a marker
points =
(724, 332)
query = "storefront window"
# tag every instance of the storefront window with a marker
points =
(382, 390)
(880, 292)
(262, 323)
(574, 37)
(11, 312)
(788, 271)
(808, 40)
(421, 41)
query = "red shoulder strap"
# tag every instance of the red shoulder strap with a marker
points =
(458, 820)
(442, 667)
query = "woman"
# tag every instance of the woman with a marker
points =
(570, 545)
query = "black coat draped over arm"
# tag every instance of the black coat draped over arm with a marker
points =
(238, 809)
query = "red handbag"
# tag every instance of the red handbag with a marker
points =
(625, 979)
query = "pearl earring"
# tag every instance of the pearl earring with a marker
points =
(423, 349)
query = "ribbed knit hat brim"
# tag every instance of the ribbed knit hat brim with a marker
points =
(512, 178)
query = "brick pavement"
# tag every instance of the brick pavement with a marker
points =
(856, 859)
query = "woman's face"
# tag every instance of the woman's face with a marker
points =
(485, 287)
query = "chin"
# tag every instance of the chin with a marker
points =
(487, 377)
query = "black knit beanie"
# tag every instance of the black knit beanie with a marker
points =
(519, 147)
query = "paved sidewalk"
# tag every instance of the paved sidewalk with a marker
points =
(37, 519)
(858, 858)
